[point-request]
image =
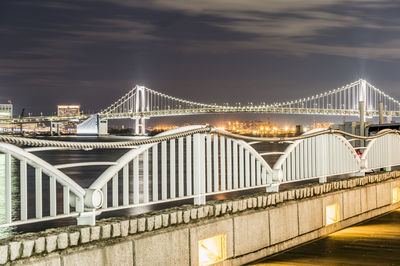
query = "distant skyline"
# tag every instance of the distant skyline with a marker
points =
(92, 52)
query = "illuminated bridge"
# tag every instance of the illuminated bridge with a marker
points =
(142, 103)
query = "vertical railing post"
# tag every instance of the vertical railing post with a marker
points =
(199, 169)
(277, 176)
(24, 190)
(38, 192)
(323, 141)
(8, 187)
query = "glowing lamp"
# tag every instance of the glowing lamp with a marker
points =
(332, 214)
(212, 250)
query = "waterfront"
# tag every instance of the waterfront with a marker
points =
(374, 242)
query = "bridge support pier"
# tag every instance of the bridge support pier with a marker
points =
(140, 126)
(51, 129)
(362, 122)
(381, 113)
(103, 127)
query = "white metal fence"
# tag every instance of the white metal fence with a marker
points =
(185, 163)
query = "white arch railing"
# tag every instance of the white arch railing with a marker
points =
(71, 191)
(187, 167)
(382, 152)
(185, 163)
(317, 157)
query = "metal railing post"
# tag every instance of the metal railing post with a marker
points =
(277, 176)
(199, 169)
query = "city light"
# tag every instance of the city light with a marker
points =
(68, 110)
(256, 127)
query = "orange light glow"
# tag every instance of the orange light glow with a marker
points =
(332, 213)
(212, 250)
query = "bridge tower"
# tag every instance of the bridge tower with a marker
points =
(362, 101)
(141, 106)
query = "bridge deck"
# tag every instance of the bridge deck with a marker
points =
(375, 242)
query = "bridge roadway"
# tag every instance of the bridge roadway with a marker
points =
(202, 111)
(374, 242)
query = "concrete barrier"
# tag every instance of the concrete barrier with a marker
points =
(248, 228)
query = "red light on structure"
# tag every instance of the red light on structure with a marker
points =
(9, 101)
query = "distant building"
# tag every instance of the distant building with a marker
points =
(6, 111)
(68, 110)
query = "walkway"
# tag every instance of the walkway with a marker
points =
(375, 242)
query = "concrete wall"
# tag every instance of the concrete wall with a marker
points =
(254, 226)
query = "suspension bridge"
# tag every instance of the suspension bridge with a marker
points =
(142, 103)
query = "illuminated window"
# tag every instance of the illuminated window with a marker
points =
(212, 250)
(396, 195)
(332, 213)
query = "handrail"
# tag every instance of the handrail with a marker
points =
(73, 165)
(205, 129)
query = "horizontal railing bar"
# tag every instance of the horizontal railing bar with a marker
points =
(37, 149)
(43, 219)
(71, 165)
(182, 198)
(174, 135)
(318, 177)
(272, 153)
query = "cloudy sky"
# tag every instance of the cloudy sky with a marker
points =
(90, 52)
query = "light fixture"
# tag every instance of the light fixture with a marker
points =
(332, 213)
(212, 250)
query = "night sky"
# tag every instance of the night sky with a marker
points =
(92, 52)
